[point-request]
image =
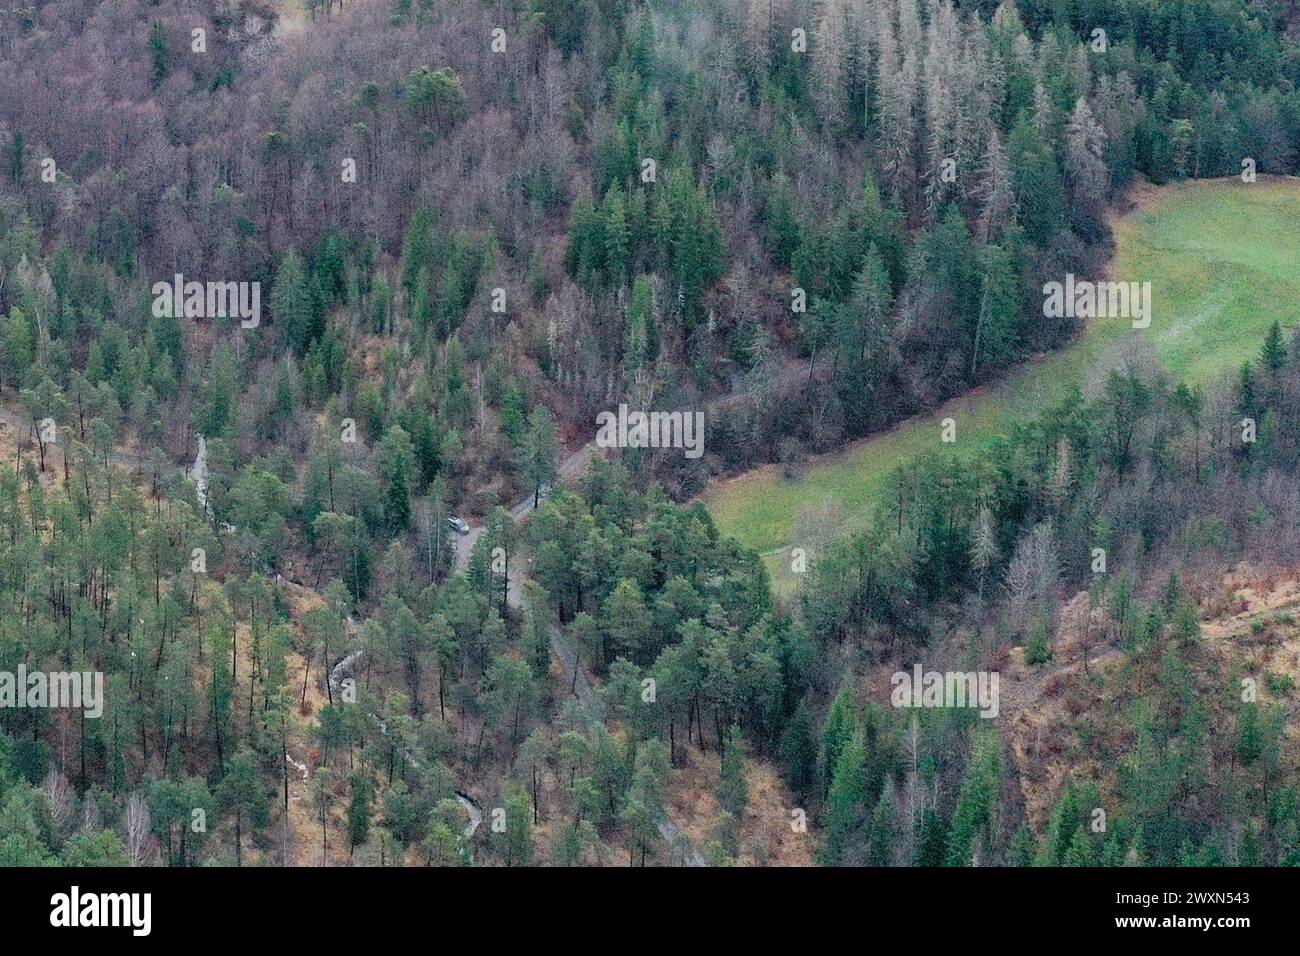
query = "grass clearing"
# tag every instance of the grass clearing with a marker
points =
(1223, 259)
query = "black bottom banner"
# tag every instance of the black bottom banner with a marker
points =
(335, 906)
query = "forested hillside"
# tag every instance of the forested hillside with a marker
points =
(361, 594)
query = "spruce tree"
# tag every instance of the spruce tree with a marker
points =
(846, 802)
(1272, 354)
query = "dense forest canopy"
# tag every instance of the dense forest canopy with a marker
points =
(475, 225)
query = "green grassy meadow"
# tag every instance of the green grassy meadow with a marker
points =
(1223, 259)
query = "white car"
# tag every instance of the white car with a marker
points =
(457, 525)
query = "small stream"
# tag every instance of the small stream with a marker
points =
(198, 472)
(301, 768)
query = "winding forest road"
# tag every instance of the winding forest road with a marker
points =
(343, 667)
(576, 678)
(571, 468)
